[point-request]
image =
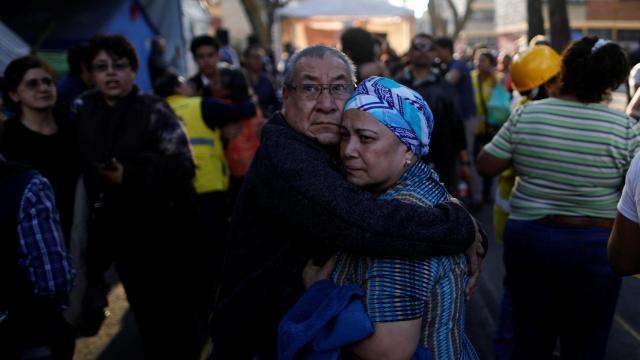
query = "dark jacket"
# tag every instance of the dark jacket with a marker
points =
(448, 136)
(295, 205)
(145, 218)
(201, 89)
(14, 179)
(54, 156)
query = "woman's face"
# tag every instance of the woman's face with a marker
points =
(483, 64)
(373, 157)
(113, 77)
(36, 91)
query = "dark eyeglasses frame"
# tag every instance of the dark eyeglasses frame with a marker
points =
(422, 47)
(319, 88)
(115, 66)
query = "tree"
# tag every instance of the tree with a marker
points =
(459, 22)
(559, 23)
(438, 23)
(261, 15)
(534, 18)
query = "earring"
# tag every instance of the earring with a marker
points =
(407, 162)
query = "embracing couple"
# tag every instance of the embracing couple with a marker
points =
(339, 172)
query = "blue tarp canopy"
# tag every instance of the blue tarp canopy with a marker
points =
(57, 25)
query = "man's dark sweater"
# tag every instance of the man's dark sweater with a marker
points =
(448, 137)
(295, 205)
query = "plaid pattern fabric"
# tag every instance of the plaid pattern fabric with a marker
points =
(43, 257)
(400, 289)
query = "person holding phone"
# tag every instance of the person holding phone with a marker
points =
(138, 171)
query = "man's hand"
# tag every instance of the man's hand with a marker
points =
(113, 172)
(312, 274)
(474, 256)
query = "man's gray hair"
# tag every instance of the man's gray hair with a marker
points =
(318, 52)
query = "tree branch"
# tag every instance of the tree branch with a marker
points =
(457, 21)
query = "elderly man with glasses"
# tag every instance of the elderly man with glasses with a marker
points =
(295, 206)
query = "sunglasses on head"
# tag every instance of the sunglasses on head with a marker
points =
(422, 47)
(34, 84)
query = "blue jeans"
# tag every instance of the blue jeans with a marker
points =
(562, 289)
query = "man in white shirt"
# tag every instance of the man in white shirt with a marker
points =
(624, 243)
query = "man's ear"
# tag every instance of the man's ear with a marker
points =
(285, 92)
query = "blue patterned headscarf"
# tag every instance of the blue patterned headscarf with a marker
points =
(401, 109)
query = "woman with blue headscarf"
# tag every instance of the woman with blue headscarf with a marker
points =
(386, 128)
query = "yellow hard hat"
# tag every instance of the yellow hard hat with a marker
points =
(534, 67)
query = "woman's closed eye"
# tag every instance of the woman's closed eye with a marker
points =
(366, 136)
(366, 139)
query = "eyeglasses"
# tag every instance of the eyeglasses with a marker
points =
(422, 47)
(34, 84)
(116, 66)
(313, 91)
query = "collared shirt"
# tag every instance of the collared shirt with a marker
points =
(42, 254)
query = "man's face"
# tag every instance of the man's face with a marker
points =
(113, 77)
(317, 117)
(207, 59)
(422, 52)
(442, 53)
(483, 64)
(255, 60)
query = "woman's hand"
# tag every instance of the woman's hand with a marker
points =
(231, 131)
(312, 274)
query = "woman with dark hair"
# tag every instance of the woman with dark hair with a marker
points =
(240, 149)
(39, 136)
(570, 153)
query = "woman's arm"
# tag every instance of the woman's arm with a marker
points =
(389, 341)
(489, 165)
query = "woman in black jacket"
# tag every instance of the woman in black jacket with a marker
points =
(39, 135)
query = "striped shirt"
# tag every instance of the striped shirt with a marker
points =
(400, 289)
(570, 158)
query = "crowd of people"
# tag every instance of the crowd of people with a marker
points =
(322, 211)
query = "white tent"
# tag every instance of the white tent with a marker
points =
(11, 46)
(353, 8)
(308, 22)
